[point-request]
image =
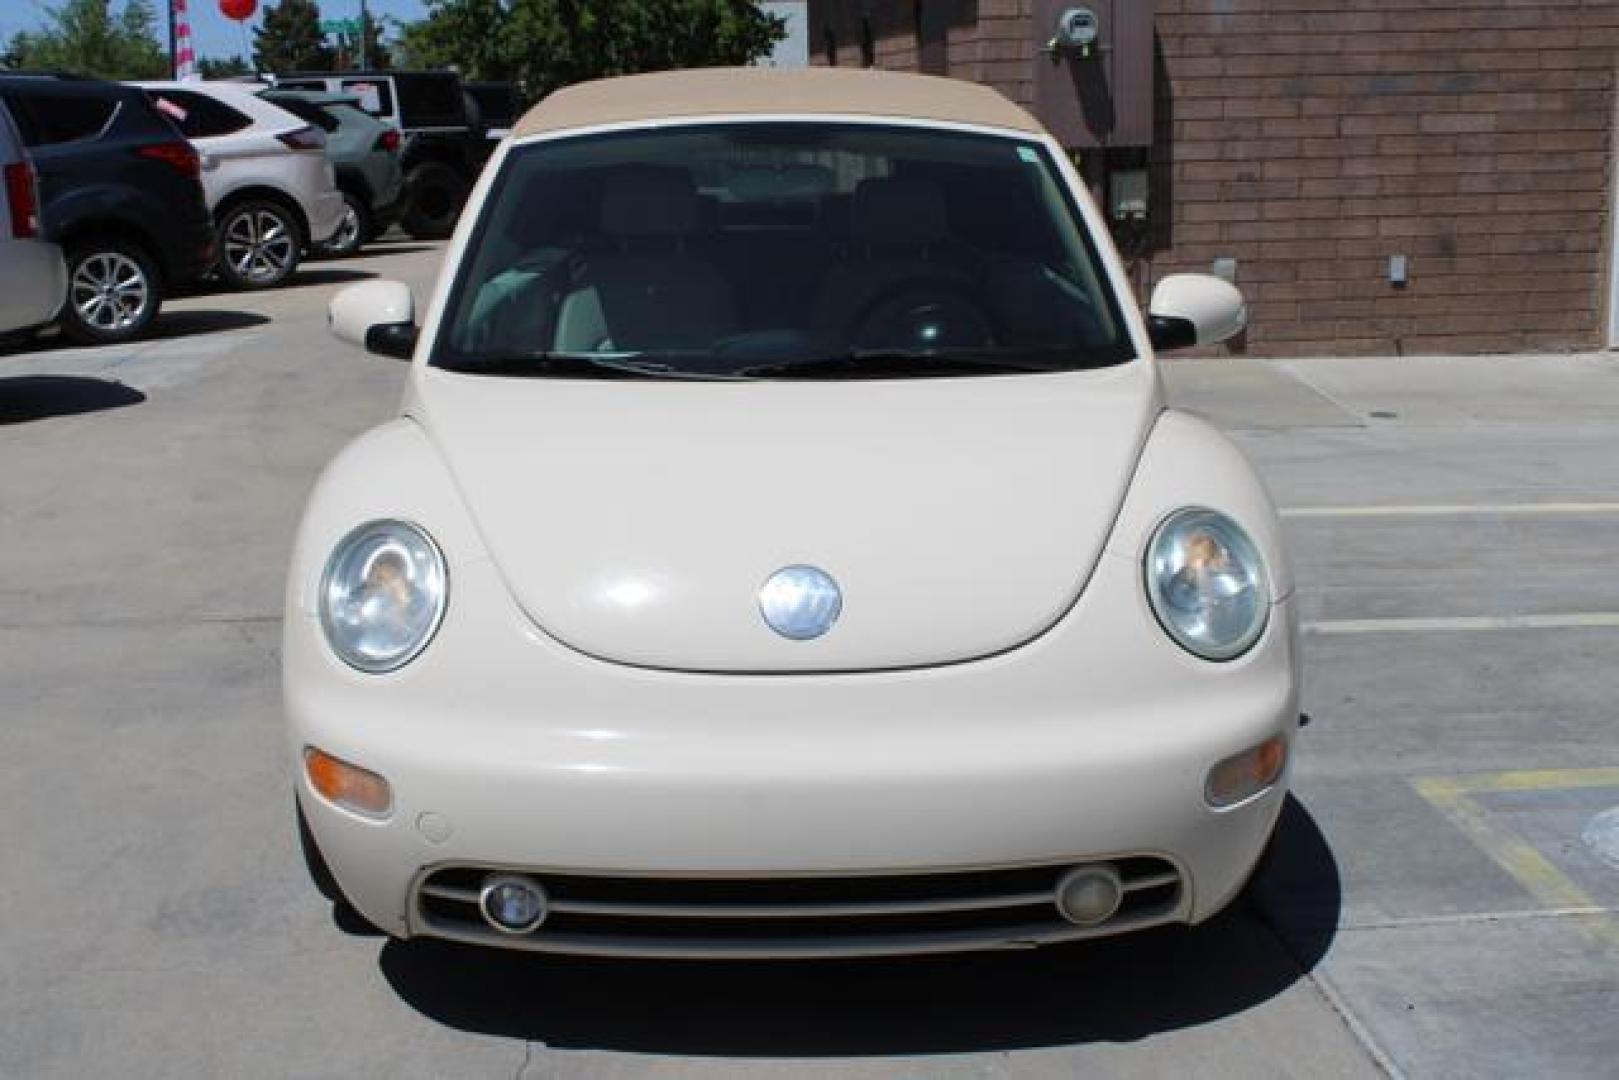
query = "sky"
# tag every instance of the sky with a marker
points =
(212, 34)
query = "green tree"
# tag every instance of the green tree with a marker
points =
(231, 67)
(378, 57)
(289, 39)
(544, 44)
(85, 37)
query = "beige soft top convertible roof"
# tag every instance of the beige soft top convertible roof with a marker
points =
(714, 91)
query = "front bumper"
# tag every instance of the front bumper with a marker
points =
(505, 749)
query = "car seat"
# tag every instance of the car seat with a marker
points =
(647, 286)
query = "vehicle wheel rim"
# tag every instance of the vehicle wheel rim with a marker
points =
(259, 245)
(348, 233)
(110, 291)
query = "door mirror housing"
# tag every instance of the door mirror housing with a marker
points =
(1194, 309)
(378, 315)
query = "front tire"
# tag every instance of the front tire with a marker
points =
(114, 292)
(259, 244)
(434, 194)
(353, 232)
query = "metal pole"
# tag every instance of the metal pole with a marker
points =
(173, 59)
(365, 57)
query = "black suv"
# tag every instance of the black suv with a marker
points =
(120, 190)
(445, 141)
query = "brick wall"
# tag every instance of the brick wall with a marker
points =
(989, 41)
(1310, 140)
(1313, 139)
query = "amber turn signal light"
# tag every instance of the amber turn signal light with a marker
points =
(1245, 774)
(348, 786)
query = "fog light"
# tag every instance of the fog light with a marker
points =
(1246, 774)
(512, 905)
(348, 786)
(1089, 895)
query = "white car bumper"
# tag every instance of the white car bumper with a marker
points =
(325, 215)
(33, 283)
(507, 750)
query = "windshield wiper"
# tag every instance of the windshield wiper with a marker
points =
(588, 365)
(921, 363)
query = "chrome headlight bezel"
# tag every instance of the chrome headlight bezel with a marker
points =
(426, 558)
(1166, 556)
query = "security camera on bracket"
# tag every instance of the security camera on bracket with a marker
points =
(1077, 31)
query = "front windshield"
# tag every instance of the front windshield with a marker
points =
(758, 250)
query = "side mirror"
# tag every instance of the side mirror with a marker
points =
(379, 315)
(1194, 309)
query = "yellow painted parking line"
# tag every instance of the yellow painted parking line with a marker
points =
(1537, 780)
(1454, 796)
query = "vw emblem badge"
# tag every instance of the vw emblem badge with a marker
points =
(800, 602)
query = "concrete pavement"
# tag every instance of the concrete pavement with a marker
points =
(1433, 909)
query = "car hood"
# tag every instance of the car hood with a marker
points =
(637, 521)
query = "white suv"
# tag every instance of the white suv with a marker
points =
(269, 184)
(33, 280)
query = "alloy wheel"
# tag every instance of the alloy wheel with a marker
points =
(347, 238)
(110, 291)
(260, 246)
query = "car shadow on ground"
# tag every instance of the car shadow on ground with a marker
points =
(377, 249)
(1111, 990)
(327, 274)
(179, 324)
(309, 273)
(169, 325)
(38, 397)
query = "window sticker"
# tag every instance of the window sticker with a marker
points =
(370, 99)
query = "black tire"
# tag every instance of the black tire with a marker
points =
(355, 230)
(114, 292)
(434, 194)
(320, 875)
(260, 242)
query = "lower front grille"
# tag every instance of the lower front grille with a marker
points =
(787, 917)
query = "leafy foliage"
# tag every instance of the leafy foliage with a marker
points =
(231, 67)
(377, 56)
(84, 37)
(544, 44)
(289, 39)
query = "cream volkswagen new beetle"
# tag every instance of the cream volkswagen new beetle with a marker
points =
(784, 549)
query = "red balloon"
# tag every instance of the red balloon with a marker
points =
(238, 9)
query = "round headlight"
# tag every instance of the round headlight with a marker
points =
(382, 595)
(1207, 584)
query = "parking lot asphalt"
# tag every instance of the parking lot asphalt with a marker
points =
(1444, 900)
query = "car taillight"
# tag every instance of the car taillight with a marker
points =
(304, 138)
(388, 140)
(22, 201)
(179, 156)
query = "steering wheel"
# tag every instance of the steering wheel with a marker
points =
(922, 313)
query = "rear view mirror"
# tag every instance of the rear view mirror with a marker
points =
(378, 315)
(1194, 309)
(397, 340)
